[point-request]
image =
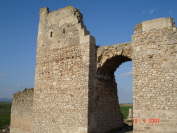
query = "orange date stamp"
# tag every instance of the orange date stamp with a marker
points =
(149, 120)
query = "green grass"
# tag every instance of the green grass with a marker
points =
(124, 110)
(5, 108)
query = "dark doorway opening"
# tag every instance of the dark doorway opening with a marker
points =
(107, 100)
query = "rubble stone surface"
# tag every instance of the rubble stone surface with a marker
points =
(75, 89)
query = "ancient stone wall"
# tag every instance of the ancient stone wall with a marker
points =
(75, 88)
(21, 112)
(65, 73)
(155, 77)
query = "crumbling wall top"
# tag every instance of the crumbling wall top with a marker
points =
(23, 93)
(159, 23)
(69, 12)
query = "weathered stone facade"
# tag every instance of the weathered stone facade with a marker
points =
(75, 89)
(65, 73)
(155, 76)
(21, 112)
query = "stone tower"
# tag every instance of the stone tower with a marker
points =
(65, 73)
(155, 76)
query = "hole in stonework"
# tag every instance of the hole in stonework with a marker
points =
(123, 76)
(63, 31)
(51, 34)
(150, 56)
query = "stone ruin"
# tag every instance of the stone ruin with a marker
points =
(21, 112)
(75, 89)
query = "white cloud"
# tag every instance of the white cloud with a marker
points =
(126, 74)
(149, 12)
(152, 11)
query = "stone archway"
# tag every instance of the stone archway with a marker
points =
(107, 110)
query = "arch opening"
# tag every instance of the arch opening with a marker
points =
(108, 103)
(123, 77)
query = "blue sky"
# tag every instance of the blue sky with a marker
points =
(110, 21)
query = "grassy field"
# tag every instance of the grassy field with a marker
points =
(124, 109)
(4, 114)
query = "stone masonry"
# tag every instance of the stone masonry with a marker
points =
(155, 76)
(75, 89)
(65, 73)
(21, 112)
